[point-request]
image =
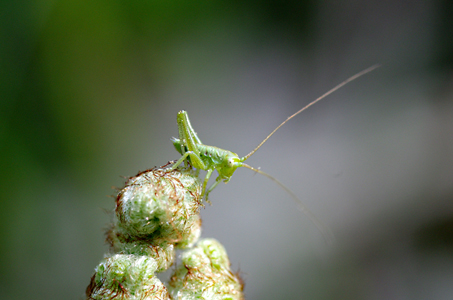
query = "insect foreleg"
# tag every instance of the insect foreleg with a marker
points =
(205, 183)
(217, 181)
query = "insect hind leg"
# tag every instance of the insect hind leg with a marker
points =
(188, 137)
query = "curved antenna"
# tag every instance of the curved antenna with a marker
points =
(310, 104)
(324, 229)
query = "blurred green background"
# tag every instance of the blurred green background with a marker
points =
(90, 92)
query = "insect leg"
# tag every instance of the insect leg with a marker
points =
(194, 158)
(189, 139)
(217, 181)
(179, 161)
(205, 182)
(182, 140)
(185, 118)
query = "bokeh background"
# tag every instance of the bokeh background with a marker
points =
(90, 92)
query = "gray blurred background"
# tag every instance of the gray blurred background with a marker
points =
(90, 91)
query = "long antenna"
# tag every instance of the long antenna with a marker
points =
(324, 229)
(310, 104)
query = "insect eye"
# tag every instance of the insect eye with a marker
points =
(233, 162)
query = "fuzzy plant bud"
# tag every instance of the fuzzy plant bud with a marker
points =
(126, 277)
(162, 251)
(158, 204)
(205, 274)
(156, 212)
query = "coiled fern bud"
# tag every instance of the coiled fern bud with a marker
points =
(157, 212)
(205, 274)
(122, 276)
